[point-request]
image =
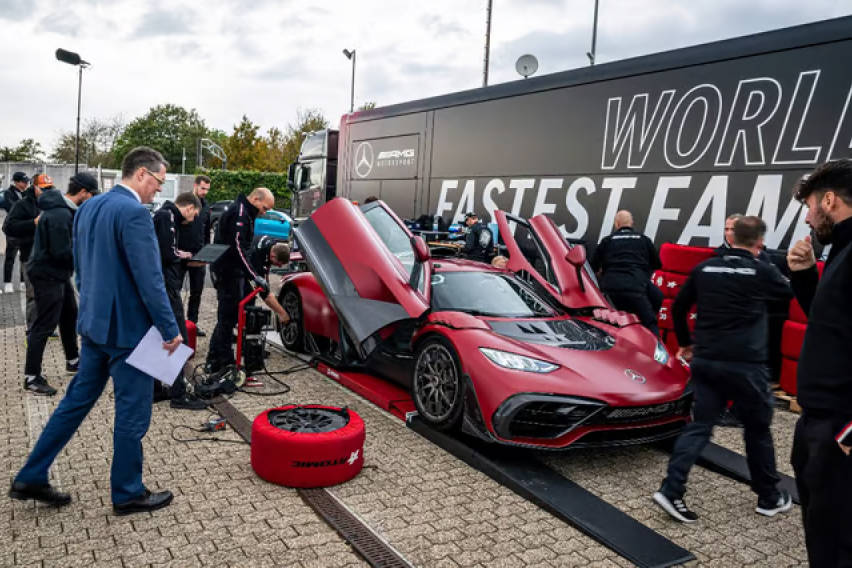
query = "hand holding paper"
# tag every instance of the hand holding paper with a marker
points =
(161, 359)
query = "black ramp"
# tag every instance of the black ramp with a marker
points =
(734, 465)
(563, 498)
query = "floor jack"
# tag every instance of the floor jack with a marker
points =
(251, 321)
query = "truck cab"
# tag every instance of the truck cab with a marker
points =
(313, 176)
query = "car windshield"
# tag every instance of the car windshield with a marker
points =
(486, 294)
(393, 236)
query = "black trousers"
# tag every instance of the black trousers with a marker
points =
(645, 304)
(823, 474)
(13, 247)
(715, 383)
(178, 388)
(229, 291)
(55, 305)
(196, 287)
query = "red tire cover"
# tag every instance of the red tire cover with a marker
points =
(191, 336)
(682, 259)
(792, 337)
(304, 459)
(669, 282)
(664, 318)
(788, 375)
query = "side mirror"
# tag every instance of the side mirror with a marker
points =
(577, 255)
(421, 250)
(291, 173)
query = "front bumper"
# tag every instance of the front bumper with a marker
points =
(558, 421)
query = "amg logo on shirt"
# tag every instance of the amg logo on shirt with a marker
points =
(729, 270)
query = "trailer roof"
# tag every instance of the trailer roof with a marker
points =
(816, 33)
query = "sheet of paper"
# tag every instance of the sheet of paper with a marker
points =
(150, 357)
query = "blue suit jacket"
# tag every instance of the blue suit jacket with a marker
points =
(118, 270)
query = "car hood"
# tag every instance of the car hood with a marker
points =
(613, 367)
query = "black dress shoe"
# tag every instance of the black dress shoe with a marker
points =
(147, 502)
(43, 493)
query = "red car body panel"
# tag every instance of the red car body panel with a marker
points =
(623, 374)
(573, 288)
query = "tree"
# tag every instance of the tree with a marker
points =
(246, 150)
(97, 142)
(170, 129)
(27, 150)
(369, 105)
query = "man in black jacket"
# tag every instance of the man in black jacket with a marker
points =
(10, 196)
(625, 260)
(21, 224)
(191, 238)
(823, 438)
(169, 221)
(728, 363)
(235, 229)
(49, 270)
(478, 241)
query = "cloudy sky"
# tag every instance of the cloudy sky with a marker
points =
(269, 58)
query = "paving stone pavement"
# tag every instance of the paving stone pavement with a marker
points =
(433, 508)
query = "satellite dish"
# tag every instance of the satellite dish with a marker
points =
(526, 65)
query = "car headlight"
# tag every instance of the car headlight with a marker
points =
(661, 354)
(517, 362)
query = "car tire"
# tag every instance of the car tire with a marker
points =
(292, 334)
(307, 445)
(436, 385)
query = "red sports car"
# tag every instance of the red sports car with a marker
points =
(531, 355)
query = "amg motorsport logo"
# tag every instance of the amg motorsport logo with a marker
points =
(353, 457)
(364, 159)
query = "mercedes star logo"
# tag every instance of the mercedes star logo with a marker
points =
(364, 159)
(633, 375)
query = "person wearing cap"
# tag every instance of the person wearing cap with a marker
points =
(478, 241)
(49, 271)
(10, 196)
(21, 224)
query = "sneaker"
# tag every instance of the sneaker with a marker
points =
(200, 332)
(780, 505)
(9, 288)
(72, 367)
(676, 508)
(54, 334)
(39, 386)
(188, 402)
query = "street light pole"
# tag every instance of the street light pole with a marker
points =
(74, 59)
(79, 100)
(351, 55)
(591, 54)
(487, 44)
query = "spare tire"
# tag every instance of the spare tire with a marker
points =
(307, 445)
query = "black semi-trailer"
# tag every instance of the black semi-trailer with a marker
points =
(681, 138)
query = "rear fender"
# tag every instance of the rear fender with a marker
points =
(318, 315)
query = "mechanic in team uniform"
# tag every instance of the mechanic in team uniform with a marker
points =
(478, 241)
(169, 221)
(729, 362)
(229, 273)
(266, 253)
(625, 261)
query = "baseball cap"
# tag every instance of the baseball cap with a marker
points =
(20, 176)
(43, 181)
(87, 181)
(469, 214)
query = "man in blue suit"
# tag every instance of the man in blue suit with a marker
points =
(121, 296)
